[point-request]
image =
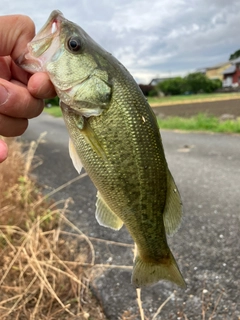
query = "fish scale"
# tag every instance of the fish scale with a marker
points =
(141, 187)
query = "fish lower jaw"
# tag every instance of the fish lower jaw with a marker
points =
(29, 64)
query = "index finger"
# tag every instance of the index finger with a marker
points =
(15, 33)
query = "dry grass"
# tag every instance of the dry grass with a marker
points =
(44, 271)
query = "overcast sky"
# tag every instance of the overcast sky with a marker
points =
(157, 38)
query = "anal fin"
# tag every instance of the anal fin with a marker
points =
(105, 216)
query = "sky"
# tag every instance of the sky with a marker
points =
(152, 39)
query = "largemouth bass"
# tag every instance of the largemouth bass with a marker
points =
(114, 135)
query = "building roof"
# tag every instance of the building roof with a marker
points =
(219, 65)
(230, 70)
(158, 80)
(216, 66)
(235, 60)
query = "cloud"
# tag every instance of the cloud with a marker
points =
(150, 37)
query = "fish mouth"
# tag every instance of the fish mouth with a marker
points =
(43, 45)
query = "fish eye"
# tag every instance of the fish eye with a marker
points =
(74, 44)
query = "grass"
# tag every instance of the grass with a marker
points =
(155, 101)
(200, 122)
(45, 271)
(54, 111)
(41, 275)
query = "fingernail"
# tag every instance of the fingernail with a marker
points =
(4, 94)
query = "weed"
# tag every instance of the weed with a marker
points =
(41, 275)
(200, 122)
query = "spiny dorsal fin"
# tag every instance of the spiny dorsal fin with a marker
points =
(74, 156)
(173, 209)
(105, 216)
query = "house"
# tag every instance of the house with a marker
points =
(231, 76)
(146, 88)
(156, 81)
(216, 71)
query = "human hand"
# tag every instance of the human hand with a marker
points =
(21, 95)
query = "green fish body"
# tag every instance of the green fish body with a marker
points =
(114, 135)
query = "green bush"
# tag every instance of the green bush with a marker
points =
(154, 92)
(192, 83)
(198, 82)
(173, 86)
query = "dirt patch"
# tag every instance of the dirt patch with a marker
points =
(216, 108)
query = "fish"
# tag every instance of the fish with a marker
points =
(115, 136)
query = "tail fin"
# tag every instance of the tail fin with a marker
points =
(147, 273)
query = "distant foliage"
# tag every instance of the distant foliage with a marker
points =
(235, 55)
(198, 82)
(192, 83)
(173, 86)
(154, 92)
(54, 102)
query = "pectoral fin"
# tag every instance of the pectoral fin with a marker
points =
(173, 209)
(93, 140)
(82, 124)
(74, 156)
(105, 216)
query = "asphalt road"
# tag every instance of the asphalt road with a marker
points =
(206, 168)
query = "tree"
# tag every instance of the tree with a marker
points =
(198, 82)
(235, 55)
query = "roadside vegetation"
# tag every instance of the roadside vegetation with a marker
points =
(200, 122)
(45, 270)
(54, 111)
(41, 275)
